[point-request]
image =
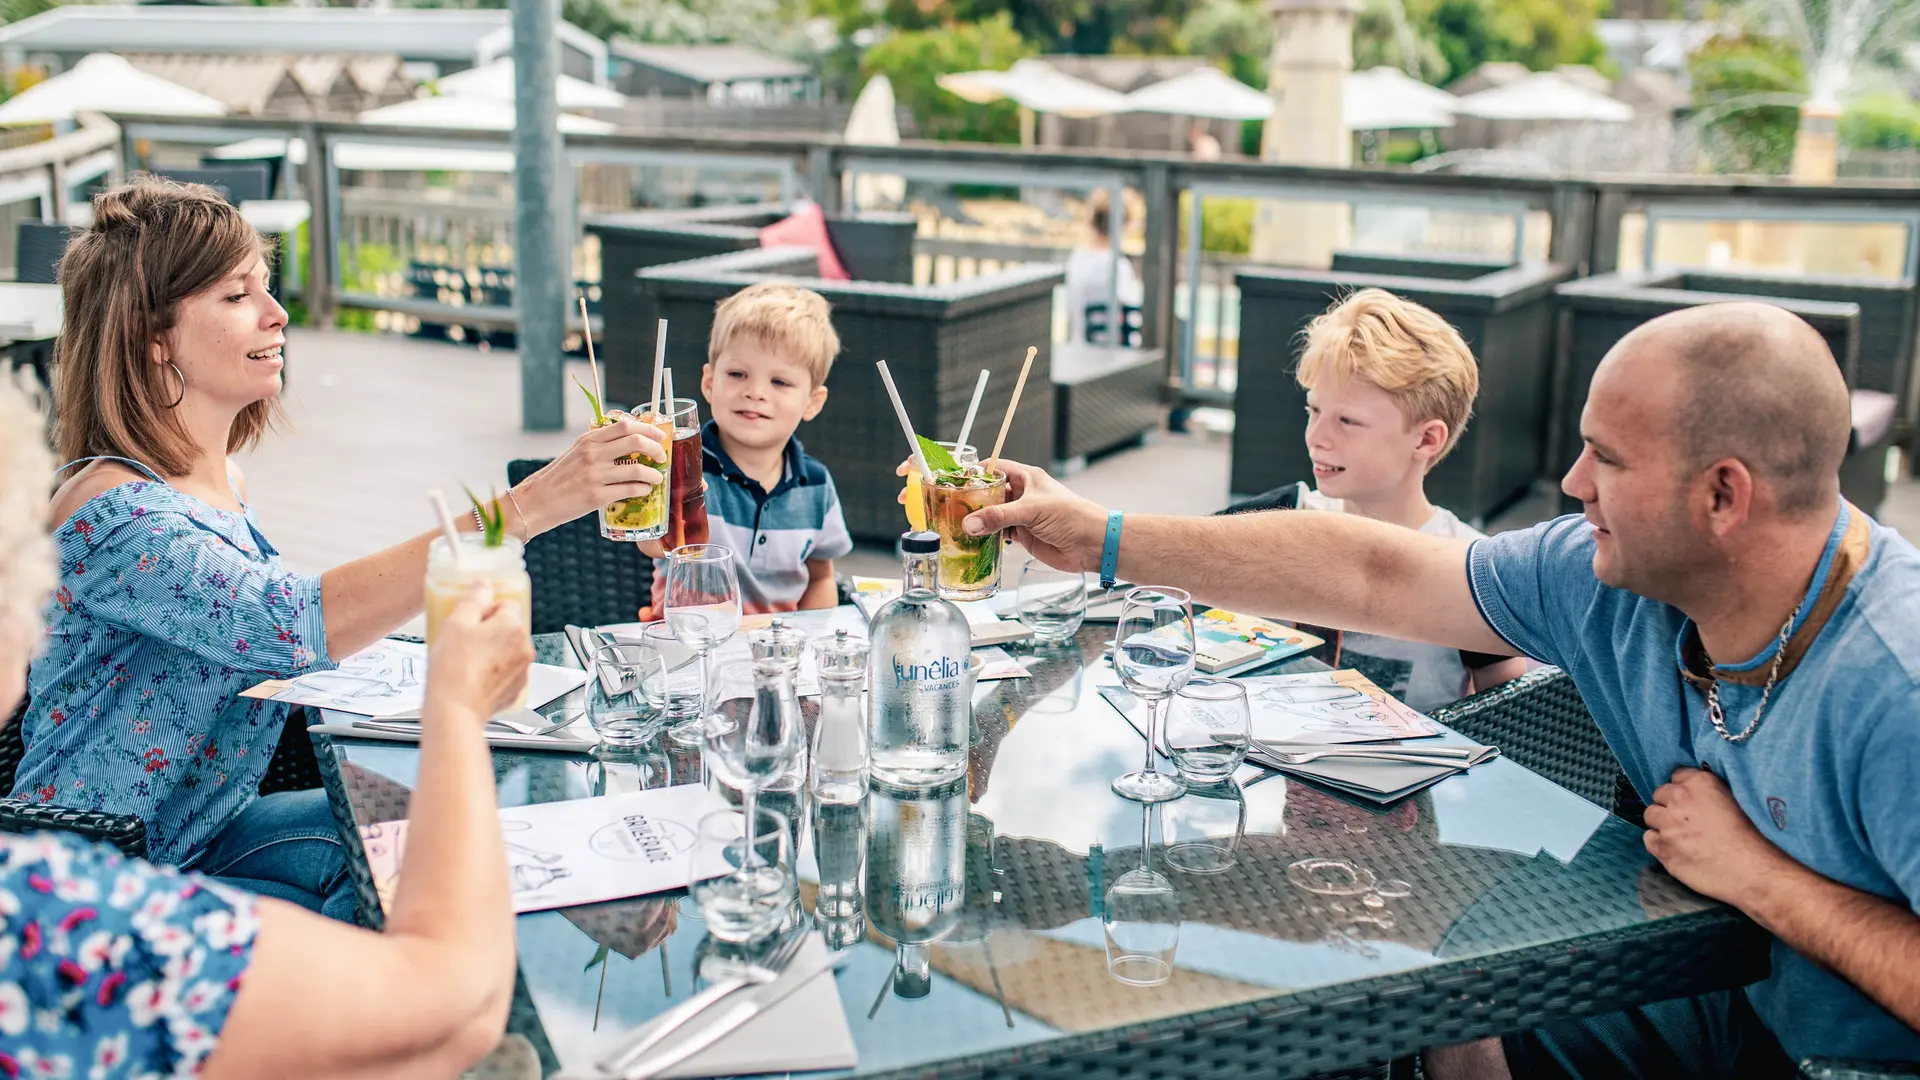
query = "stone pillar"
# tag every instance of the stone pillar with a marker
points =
(1816, 146)
(1306, 76)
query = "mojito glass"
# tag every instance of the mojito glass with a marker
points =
(644, 518)
(919, 495)
(969, 565)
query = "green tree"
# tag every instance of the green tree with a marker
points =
(1746, 90)
(913, 60)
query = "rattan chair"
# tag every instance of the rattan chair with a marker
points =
(578, 577)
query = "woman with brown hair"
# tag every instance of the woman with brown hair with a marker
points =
(112, 967)
(171, 600)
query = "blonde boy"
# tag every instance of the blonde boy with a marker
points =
(1390, 386)
(769, 500)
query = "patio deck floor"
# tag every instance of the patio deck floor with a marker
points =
(374, 421)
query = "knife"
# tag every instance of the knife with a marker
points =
(729, 1017)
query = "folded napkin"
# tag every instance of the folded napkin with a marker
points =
(804, 1032)
(1374, 780)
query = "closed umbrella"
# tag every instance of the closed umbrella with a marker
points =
(1385, 98)
(495, 81)
(104, 82)
(1203, 92)
(469, 114)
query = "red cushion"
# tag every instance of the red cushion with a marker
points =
(807, 227)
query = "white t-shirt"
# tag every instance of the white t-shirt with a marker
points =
(1424, 676)
(1090, 274)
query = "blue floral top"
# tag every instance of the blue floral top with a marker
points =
(111, 967)
(167, 608)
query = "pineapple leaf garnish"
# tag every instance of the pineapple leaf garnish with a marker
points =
(493, 530)
(599, 415)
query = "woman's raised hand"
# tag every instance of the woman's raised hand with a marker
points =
(588, 476)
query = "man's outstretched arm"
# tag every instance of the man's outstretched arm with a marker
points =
(1327, 569)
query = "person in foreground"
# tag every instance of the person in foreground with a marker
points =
(171, 601)
(768, 500)
(112, 967)
(1743, 637)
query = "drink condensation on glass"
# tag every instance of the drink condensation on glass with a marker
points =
(920, 495)
(969, 565)
(644, 518)
(687, 520)
(503, 567)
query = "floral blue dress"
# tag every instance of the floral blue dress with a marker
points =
(167, 609)
(111, 967)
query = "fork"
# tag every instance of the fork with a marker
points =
(1301, 757)
(758, 974)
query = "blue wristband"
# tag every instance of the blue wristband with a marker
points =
(1110, 551)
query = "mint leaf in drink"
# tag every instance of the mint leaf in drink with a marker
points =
(938, 459)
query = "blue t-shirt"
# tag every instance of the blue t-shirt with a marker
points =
(1828, 777)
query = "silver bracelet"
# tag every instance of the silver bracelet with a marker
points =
(526, 527)
(479, 523)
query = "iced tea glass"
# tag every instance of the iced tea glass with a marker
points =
(503, 567)
(687, 497)
(969, 565)
(644, 518)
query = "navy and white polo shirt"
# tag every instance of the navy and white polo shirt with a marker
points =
(772, 533)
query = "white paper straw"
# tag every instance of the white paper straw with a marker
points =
(900, 410)
(659, 363)
(593, 368)
(446, 524)
(973, 407)
(993, 463)
(669, 396)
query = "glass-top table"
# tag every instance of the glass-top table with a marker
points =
(1341, 934)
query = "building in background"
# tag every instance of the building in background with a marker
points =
(720, 75)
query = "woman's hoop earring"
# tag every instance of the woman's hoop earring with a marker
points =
(182, 396)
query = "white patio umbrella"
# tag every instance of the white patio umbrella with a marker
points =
(495, 81)
(104, 82)
(1544, 95)
(469, 114)
(1386, 98)
(1204, 92)
(1037, 86)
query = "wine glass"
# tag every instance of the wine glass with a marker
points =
(752, 734)
(1153, 653)
(703, 607)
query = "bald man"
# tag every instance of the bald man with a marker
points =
(1748, 643)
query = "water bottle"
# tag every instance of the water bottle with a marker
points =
(916, 875)
(916, 686)
(839, 759)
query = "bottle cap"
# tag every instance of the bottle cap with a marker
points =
(920, 543)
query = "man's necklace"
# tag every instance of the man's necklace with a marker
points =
(1717, 716)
